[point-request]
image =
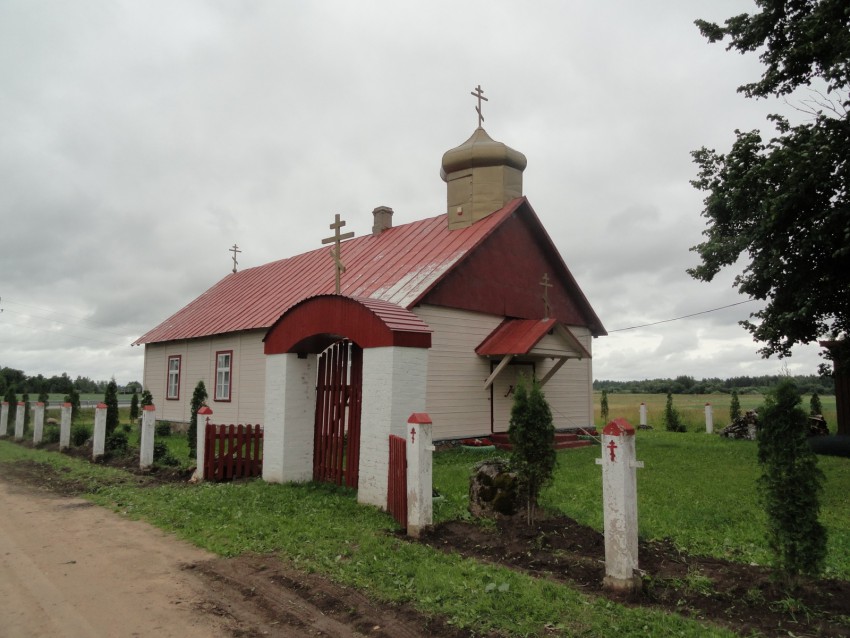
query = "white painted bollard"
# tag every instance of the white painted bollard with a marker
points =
(643, 415)
(709, 419)
(38, 424)
(19, 420)
(99, 436)
(619, 496)
(420, 486)
(204, 414)
(148, 431)
(65, 427)
(4, 418)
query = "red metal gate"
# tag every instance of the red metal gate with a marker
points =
(232, 451)
(336, 442)
(397, 480)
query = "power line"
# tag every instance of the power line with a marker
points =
(694, 314)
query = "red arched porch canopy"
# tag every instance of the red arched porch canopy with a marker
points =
(314, 323)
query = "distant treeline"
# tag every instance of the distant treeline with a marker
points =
(20, 383)
(688, 385)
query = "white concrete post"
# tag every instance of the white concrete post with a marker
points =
(204, 414)
(19, 420)
(709, 419)
(65, 427)
(643, 415)
(38, 425)
(420, 488)
(4, 418)
(619, 496)
(148, 431)
(99, 436)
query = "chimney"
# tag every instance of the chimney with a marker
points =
(383, 219)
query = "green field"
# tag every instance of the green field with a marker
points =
(691, 407)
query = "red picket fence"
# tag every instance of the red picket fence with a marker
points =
(233, 451)
(397, 480)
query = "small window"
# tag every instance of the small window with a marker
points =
(173, 390)
(223, 376)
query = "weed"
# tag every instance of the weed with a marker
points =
(791, 606)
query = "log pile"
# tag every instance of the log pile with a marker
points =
(744, 427)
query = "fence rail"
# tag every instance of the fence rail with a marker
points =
(233, 451)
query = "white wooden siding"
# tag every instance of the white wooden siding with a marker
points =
(456, 399)
(247, 393)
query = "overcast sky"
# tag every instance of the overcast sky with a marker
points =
(140, 140)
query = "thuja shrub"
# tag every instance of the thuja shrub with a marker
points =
(734, 407)
(80, 433)
(790, 486)
(162, 455)
(531, 434)
(672, 419)
(199, 397)
(603, 407)
(163, 428)
(117, 443)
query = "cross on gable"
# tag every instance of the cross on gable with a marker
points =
(235, 250)
(547, 309)
(335, 239)
(479, 93)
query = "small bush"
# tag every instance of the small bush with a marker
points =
(116, 443)
(127, 428)
(672, 419)
(162, 455)
(51, 434)
(80, 433)
(163, 428)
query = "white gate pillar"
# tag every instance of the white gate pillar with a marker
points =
(289, 418)
(99, 435)
(619, 495)
(709, 419)
(420, 487)
(643, 416)
(4, 418)
(38, 426)
(65, 427)
(393, 389)
(19, 420)
(146, 439)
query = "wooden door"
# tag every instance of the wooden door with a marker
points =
(502, 393)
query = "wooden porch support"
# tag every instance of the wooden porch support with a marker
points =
(561, 361)
(502, 364)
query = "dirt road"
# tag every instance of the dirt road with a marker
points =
(71, 569)
(68, 568)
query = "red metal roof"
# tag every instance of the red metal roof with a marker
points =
(519, 336)
(398, 266)
(515, 336)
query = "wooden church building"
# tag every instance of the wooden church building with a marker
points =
(440, 315)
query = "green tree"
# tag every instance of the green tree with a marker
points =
(26, 399)
(814, 404)
(147, 398)
(790, 486)
(44, 397)
(199, 398)
(532, 433)
(672, 420)
(603, 407)
(783, 203)
(11, 398)
(134, 406)
(73, 397)
(110, 398)
(734, 407)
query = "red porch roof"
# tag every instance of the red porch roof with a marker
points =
(519, 336)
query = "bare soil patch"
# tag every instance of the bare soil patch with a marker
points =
(739, 597)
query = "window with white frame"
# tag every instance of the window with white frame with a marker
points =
(223, 376)
(173, 389)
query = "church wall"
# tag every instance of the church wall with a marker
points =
(198, 360)
(456, 399)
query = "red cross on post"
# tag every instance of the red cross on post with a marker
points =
(413, 435)
(611, 447)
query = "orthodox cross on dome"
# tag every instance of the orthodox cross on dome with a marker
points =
(547, 309)
(335, 251)
(235, 250)
(479, 93)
